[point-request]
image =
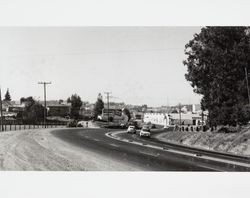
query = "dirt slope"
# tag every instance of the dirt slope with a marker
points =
(237, 143)
(40, 150)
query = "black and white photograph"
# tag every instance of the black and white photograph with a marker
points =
(114, 99)
(125, 98)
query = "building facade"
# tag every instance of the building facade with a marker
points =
(158, 119)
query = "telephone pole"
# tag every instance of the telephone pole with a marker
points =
(180, 112)
(1, 110)
(45, 105)
(108, 95)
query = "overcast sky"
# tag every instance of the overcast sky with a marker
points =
(139, 65)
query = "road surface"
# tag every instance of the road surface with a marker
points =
(91, 150)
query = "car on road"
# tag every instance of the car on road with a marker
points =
(145, 131)
(131, 129)
(80, 124)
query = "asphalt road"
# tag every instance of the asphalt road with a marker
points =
(212, 160)
(79, 149)
(136, 155)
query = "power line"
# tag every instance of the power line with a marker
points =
(45, 105)
(96, 52)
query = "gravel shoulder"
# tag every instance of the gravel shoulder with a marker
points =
(40, 150)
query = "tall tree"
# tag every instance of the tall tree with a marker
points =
(60, 101)
(127, 113)
(29, 101)
(216, 61)
(33, 111)
(76, 103)
(99, 105)
(7, 96)
(68, 100)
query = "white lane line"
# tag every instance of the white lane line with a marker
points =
(114, 145)
(179, 152)
(150, 154)
(96, 140)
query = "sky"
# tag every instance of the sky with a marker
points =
(139, 65)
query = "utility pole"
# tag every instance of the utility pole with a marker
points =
(108, 95)
(45, 105)
(180, 112)
(248, 94)
(1, 110)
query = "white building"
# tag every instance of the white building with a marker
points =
(159, 119)
(186, 119)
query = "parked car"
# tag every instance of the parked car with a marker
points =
(131, 129)
(145, 131)
(72, 123)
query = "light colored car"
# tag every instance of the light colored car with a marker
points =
(145, 131)
(80, 124)
(131, 129)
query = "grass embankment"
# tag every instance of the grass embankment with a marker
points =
(236, 143)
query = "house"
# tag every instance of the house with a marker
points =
(16, 108)
(61, 110)
(86, 112)
(6, 105)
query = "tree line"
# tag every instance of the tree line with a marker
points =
(218, 62)
(34, 111)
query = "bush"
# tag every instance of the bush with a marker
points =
(228, 129)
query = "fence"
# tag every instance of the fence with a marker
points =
(20, 126)
(190, 128)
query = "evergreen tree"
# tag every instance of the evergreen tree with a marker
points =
(216, 63)
(7, 96)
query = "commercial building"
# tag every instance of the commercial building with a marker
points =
(186, 119)
(165, 119)
(61, 110)
(158, 119)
